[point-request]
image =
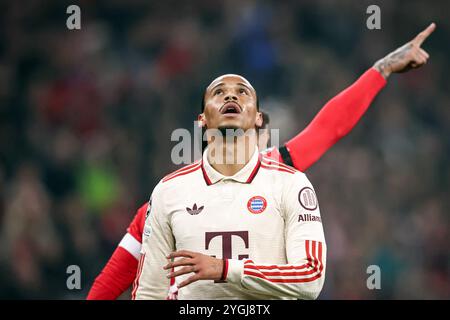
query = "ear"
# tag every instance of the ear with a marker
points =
(259, 120)
(201, 120)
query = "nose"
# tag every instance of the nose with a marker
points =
(230, 97)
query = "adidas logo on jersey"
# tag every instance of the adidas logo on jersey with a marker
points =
(194, 211)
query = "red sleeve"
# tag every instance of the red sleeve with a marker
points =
(336, 119)
(136, 226)
(116, 277)
(120, 271)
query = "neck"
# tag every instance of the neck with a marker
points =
(228, 157)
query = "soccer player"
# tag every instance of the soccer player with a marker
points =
(222, 207)
(260, 209)
(334, 121)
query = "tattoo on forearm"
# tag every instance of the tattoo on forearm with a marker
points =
(380, 66)
(385, 65)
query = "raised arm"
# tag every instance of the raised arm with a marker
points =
(340, 115)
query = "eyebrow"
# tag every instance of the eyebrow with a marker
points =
(239, 83)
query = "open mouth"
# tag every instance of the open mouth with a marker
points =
(230, 108)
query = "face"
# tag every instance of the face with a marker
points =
(230, 102)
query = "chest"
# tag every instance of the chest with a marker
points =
(225, 218)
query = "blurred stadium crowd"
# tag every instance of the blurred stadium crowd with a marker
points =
(86, 118)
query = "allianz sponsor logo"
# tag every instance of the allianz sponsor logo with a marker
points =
(308, 217)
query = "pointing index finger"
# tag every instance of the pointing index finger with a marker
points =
(420, 38)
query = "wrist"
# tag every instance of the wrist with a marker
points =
(382, 67)
(235, 271)
(224, 269)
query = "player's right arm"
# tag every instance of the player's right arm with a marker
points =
(333, 122)
(340, 115)
(157, 242)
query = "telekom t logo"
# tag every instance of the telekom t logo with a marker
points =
(226, 242)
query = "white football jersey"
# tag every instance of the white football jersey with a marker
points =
(264, 220)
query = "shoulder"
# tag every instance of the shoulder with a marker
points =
(184, 171)
(269, 163)
(272, 153)
(280, 173)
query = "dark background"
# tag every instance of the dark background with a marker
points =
(86, 117)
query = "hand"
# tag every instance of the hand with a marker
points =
(204, 267)
(410, 56)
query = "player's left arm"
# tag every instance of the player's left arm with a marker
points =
(341, 114)
(303, 275)
(120, 271)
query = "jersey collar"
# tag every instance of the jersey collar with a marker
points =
(245, 175)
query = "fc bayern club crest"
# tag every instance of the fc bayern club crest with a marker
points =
(256, 204)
